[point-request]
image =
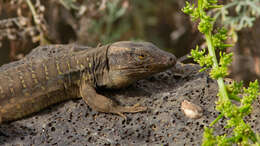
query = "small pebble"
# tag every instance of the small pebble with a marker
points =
(191, 110)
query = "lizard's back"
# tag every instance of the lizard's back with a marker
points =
(36, 81)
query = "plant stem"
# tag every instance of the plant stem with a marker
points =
(38, 24)
(222, 88)
(216, 120)
(32, 10)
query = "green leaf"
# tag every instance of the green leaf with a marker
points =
(208, 138)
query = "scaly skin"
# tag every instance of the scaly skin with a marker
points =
(51, 74)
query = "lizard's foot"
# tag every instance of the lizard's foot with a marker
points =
(101, 103)
(128, 109)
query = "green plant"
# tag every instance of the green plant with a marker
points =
(238, 14)
(228, 94)
(244, 13)
(113, 12)
(69, 4)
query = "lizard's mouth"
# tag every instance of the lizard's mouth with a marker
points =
(143, 70)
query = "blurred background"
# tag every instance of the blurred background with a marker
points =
(26, 24)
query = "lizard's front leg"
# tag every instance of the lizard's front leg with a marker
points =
(101, 103)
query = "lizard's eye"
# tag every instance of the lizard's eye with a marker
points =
(141, 56)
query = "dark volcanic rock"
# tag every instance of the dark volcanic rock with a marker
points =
(74, 123)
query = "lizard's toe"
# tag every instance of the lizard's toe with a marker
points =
(122, 115)
(128, 109)
(136, 108)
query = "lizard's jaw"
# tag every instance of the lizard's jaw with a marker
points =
(167, 61)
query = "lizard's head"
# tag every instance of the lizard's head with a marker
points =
(130, 61)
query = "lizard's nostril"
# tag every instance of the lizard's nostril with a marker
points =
(171, 59)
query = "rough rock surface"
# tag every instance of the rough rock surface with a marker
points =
(74, 123)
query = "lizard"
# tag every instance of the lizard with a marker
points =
(55, 73)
